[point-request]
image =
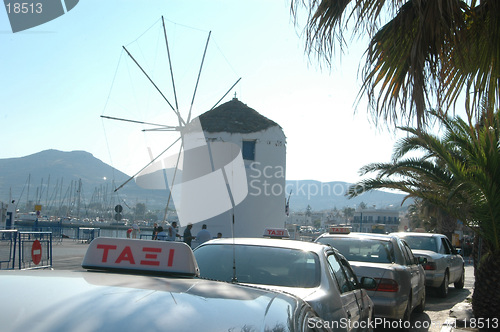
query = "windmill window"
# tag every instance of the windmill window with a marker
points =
(248, 150)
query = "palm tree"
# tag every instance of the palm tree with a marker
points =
(426, 54)
(432, 218)
(458, 172)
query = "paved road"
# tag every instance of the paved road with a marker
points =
(68, 254)
(437, 309)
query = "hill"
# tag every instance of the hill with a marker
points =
(53, 177)
(329, 195)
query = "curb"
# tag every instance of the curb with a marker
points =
(459, 315)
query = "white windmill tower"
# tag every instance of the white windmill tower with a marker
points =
(207, 181)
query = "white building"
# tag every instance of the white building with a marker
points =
(375, 221)
(245, 176)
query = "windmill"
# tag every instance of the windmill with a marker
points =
(205, 189)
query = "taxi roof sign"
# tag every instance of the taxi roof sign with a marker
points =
(140, 255)
(276, 233)
(339, 230)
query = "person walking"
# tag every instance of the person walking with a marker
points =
(203, 235)
(135, 230)
(155, 231)
(161, 235)
(172, 232)
(188, 237)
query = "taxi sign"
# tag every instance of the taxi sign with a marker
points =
(276, 232)
(339, 230)
(140, 255)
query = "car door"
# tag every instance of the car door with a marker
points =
(364, 302)
(415, 276)
(452, 260)
(347, 290)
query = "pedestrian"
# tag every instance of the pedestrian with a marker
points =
(135, 230)
(203, 235)
(219, 235)
(129, 231)
(155, 231)
(187, 234)
(161, 235)
(172, 231)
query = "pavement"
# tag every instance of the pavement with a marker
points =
(68, 255)
(461, 313)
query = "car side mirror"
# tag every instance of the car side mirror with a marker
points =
(422, 260)
(368, 283)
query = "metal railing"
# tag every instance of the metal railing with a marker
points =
(87, 234)
(30, 250)
(8, 239)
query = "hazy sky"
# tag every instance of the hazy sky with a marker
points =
(60, 77)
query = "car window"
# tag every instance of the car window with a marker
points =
(362, 249)
(421, 243)
(351, 276)
(408, 254)
(403, 252)
(337, 270)
(259, 265)
(446, 246)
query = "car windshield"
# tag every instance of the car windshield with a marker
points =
(361, 249)
(259, 265)
(421, 243)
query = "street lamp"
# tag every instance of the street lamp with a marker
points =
(361, 221)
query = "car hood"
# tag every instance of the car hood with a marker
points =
(90, 301)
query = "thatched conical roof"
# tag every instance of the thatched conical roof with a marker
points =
(234, 117)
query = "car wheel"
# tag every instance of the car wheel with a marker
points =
(443, 289)
(421, 306)
(460, 283)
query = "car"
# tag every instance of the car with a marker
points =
(400, 279)
(143, 285)
(444, 264)
(316, 273)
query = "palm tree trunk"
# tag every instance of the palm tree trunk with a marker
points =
(486, 297)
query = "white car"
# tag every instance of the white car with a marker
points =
(444, 264)
(143, 285)
(314, 272)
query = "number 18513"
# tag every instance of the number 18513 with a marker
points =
(24, 8)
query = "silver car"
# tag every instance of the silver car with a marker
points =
(314, 272)
(156, 289)
(444, 265)
(400, 287)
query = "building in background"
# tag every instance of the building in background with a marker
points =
(373, 220)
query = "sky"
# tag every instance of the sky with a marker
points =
(58, 78)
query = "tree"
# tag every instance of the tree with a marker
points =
(424, 214)
(459, 172)
(426, 54)
(140, 211)
(348, 213)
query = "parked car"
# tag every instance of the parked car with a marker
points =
(143, 285)
(314, 272)
(400, 280)
(444, 264)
